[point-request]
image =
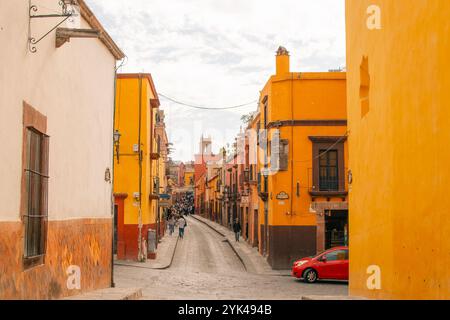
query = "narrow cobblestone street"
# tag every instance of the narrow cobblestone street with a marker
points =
(205, 267)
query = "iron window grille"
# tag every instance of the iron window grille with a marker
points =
(328, 171)
(36, 212)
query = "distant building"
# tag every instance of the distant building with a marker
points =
(205, 163)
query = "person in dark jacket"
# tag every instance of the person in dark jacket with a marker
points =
(237, 229)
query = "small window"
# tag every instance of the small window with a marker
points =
(36, 177)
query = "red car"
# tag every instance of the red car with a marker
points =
(331, 264)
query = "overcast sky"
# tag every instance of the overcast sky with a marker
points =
(219, 53)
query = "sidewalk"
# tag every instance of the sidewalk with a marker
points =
(250, 257)
(164, 257)
(109, 294)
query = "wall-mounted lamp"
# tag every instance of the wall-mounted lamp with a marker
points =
(117, 136)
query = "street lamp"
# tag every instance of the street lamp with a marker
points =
(117, 136)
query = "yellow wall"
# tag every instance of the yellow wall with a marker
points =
(126, 172)
(399, 203)
(212, 199)
(187, 178)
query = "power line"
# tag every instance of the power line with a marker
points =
(329, 148)
(205, 108)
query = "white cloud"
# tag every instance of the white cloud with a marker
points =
(219, 53)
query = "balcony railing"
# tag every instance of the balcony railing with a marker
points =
(328, 186)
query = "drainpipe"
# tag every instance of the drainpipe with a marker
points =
(140, 254)
(112, 182)
(291, 145)
(112, 172)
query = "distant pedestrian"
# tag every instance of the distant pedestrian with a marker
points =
(171, 224)
(237, 229)
(182, 223)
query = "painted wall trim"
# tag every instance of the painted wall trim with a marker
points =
(308, 123)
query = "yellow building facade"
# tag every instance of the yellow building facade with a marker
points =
(399, 122)
(211, 198)
(189, 178)
(302, 161)
(136, 168)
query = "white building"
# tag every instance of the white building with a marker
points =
(57, 107)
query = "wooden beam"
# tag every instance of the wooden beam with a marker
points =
(63, 35)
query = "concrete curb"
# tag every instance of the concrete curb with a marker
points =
(164, 267)
(238, 255)
(133, 296)
(171, 259)
(109, 294)
(211, 227)
(248, 266)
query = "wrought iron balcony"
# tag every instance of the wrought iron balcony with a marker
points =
(328, 184)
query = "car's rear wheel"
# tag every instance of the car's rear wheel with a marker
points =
(310, 276)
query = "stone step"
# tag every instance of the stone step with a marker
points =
(109, 294)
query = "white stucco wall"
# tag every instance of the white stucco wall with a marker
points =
(74, 87)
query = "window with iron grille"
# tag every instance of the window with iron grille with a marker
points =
(328, 170)
(36, 176)
(259, 181)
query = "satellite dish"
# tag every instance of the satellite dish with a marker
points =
(74, 21)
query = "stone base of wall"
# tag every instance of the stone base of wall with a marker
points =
(127, 245)
(85, 243)
(290, 243)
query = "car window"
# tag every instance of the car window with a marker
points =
(332, 256)
(337, 255)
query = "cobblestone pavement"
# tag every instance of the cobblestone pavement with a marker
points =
(205, 267)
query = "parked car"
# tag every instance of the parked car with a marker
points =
(331, 265)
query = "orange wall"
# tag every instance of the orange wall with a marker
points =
(399, 203)
(309, 96)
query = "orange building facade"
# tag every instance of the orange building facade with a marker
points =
(302, 158)
(399, 122)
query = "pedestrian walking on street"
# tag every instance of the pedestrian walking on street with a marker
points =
(171, 224)
(237, 229)
(182, 223)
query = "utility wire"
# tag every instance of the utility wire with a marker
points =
(205, 108)
(326, 151)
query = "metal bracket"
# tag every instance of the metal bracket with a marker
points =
(66, 13)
